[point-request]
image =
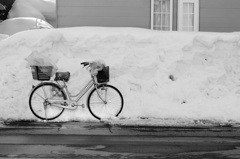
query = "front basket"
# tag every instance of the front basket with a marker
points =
(103, 75)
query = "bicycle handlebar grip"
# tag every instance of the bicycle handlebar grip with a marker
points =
(85, 64)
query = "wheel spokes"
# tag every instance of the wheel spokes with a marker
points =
(40, 105)
(111, 108)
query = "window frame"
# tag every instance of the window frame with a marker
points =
(196, 14)
(171, 15)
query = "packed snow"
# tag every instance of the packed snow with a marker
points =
(166, 78)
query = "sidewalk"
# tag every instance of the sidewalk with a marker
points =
(100, 128)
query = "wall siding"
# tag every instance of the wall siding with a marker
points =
(175, 15)
(214, 16)
(220, 15)
(110, 13)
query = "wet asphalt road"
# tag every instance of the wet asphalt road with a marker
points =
(100, 140)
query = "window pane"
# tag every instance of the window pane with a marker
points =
(185, 8)
(185, 20)
(167, 22)
(164, 19)
(157, 6)
(166, 5)
(191, 8)
(157, 19)
(191, 20)
(161, 15)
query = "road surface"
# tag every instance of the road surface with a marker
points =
(99, 140)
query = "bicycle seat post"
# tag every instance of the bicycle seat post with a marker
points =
(66, 89)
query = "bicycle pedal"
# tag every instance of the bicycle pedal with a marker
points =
(82, 105)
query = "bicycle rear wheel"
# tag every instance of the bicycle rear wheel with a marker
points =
(38, 101)
(101, 110)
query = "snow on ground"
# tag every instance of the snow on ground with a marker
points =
(164, 76)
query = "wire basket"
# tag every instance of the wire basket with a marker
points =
(41, 73)
(103, 75)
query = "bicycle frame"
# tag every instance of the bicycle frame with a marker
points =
(80, 94)
(70, 103)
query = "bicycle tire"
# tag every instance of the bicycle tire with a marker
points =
(38, 93)
(96, 105)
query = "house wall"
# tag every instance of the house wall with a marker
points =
(110, 13)
(175, 15)
(214, 16)
(219, 15)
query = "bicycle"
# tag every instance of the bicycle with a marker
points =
(49, 99)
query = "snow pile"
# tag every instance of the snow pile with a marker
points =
(41, 9)
(3, 36)
(173, 76)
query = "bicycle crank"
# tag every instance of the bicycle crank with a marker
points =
(67, 104)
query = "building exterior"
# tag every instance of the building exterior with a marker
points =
(163, 15)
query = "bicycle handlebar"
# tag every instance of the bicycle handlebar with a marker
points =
(92, 67)
(85, 64)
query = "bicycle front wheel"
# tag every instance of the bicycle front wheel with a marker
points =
(38, 101)
(113, 105)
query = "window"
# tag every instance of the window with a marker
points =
(188, 15)
(161, 17)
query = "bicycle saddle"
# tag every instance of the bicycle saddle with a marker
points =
(62, 76)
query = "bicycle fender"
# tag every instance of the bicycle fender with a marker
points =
(31, 90)
(100, 85)
(33, 87)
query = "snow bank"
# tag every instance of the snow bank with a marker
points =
(3, 36)
(175, 76)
